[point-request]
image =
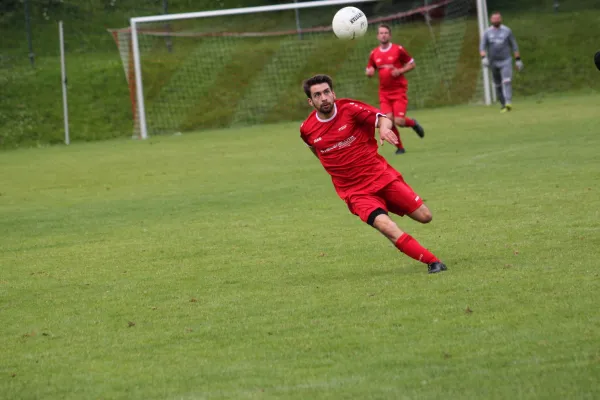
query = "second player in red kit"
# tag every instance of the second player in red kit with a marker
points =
(392, 62)
(341, 134)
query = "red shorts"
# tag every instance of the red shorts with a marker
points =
(393, 103)
(397, 197)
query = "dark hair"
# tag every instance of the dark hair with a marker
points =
(315, 80)
(386, 26)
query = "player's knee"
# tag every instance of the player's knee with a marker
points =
(422, 215)
(400, 121)
(426, 216)
(379, 219)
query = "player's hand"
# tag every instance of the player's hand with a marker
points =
(519, 65)
(396, 72)
(388, 136)
(370, 71)
(485, 62)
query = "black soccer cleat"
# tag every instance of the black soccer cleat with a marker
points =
(418, 129)
(400, 151)
(436, 266)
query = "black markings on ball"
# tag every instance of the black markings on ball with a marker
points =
(356, 17)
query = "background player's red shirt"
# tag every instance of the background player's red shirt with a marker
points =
(395, 56)
(347, 148)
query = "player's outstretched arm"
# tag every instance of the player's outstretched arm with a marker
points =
(385, 130)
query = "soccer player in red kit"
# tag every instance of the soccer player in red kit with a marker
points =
(341, 133)
(392, 62)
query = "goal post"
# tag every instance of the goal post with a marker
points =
(244, 66)
(482, 17)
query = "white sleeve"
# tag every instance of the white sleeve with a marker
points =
(377, 118)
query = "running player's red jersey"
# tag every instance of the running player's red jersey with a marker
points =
(347, 148)
(395, 56)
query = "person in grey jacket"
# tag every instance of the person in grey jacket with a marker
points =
(497, 47)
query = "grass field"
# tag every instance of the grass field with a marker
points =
(222, 265)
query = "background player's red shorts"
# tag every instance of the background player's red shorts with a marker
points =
(397, 197)
(393, 103)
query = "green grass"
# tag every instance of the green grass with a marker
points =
(222, 265)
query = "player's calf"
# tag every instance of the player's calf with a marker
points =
(380, 220)
(406, 122)
(400, 121)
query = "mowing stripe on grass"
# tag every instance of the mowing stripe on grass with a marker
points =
(261, 97)
(194, 67)
(246, 59)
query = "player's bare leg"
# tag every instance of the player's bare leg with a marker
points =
(407, 244)
(399, 147)
(422, 214)
(406, 122)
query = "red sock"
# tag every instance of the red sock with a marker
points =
(409, 123)
(397, 132)
(409, 246)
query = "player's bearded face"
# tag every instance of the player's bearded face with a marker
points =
(496, 20)
(322, 98)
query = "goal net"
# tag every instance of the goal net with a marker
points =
(231, 70)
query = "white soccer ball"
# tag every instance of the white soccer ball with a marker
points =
(349, 23)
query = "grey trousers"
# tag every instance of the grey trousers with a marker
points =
(502, 76)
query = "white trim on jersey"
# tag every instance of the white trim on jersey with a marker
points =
(388, 49)
(377, 118)
(330, 118)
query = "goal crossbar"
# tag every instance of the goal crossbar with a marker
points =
(245, 10)
(159, 33)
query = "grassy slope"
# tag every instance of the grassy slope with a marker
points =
(557, 53)
(222, 265)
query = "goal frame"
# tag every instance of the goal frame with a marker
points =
(489, 95)
(137, 67)
(206, 14)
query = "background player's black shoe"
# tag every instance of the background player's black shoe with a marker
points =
(419, 129)
(400, 151)
(436, 267)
